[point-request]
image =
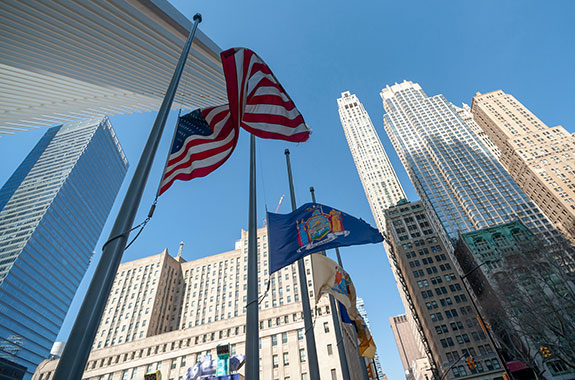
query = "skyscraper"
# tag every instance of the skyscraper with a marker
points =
(540, 159)
(380, 183)
(168, 313)
(446, 319)
(52, 211)
(452, 170)
(406, 342)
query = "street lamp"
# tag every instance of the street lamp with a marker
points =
(487, 331)
(451, 366)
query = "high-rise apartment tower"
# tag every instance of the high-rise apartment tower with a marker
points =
(540, 159)
(52, 211)
(454, 173)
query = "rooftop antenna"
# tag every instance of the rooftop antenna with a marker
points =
(180, 250)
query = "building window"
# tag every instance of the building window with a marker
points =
(333, 374)
(275, 361)
(274, 340)
(286, 358)
(302, 355)
(326, 327)
(329, 349)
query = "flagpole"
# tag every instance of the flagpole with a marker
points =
(252, 318)
(77, 350)
(308, 323)
(361, 359)
(336, 324)
(336, 318)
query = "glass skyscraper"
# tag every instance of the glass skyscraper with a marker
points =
(453, 171)
(52, 211)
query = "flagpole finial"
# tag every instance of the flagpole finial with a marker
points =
(286, 151)
(197, 17)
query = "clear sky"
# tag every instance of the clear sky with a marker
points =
(318, 49)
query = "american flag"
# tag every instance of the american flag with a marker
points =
(205, 138)
(258, 101)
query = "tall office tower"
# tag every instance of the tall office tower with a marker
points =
(167, 313)
(540, 159)
(446, 320)
(52, 210)
(363, 312)
(380, 183)
(407, 344)
(453, 172)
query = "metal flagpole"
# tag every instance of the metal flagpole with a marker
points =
(336, 324)
(361, 359)
(252, 318)
(77, 349)
(308, 324)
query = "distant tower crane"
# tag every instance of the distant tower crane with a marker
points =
(277, 209)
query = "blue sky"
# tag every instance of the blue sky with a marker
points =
(318, 50)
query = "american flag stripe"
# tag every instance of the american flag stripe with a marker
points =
(217, 117)
(258, 102)
(200, 155)
(206, 138)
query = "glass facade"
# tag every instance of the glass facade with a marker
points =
(453, 171)
(52, 211)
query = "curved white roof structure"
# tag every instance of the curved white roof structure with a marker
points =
(64, 60)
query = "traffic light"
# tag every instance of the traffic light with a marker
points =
(483, 323)
(471, 363)
(156, 375)
(545, 351)
(370, 371)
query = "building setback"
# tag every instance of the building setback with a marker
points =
(540, 159)
(448, 324)
(52, 211)
(165, 313)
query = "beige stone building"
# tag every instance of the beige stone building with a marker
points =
(447, 323)
(167, 313)
(407, 340)
(540, 159)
